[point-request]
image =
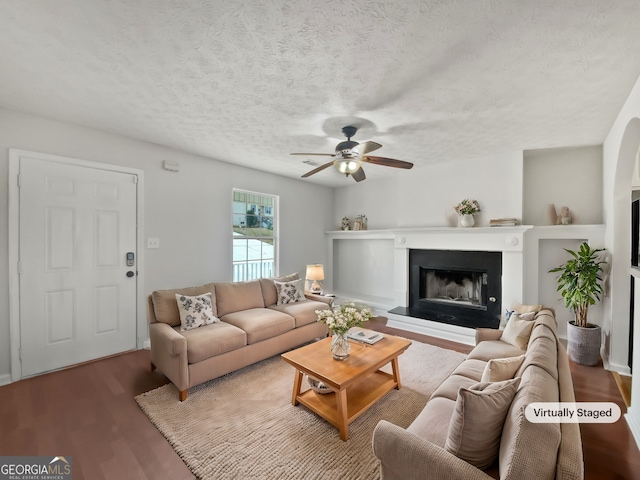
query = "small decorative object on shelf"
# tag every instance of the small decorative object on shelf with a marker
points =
(346, 224)
(339, 320)
(503, 222)
(564, 218)
(360, 223)
(466, 209)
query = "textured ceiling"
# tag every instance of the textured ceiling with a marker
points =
(247, 82)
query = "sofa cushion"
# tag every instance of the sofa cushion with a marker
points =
(195, 311)
(269, 293)
(471, 368)
(304, 312)
(518, 330)
(499, 369)
(530, 450)
(542, 352)
(494, 349)
(289, 292)
(165, 307)
(432, 423)
(476, 424)
(238, 296)
(449, 388)
(211, 340)
(260, 323)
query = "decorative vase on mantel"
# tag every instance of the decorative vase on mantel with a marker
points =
(467, 220)
(340, 346)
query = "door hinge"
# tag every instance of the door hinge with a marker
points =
(18, 180)
(19, 266)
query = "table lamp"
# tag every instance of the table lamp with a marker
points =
(314, 273)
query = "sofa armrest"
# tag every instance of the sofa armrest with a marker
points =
(320, 298)
(405, 456)
(165, 338)
(485, 334)
(169, 354)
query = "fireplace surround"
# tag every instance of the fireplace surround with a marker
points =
(455, 287)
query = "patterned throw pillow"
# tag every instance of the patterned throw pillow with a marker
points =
(289, 292)
(195, 311)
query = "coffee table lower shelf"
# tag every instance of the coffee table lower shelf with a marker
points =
(343, 406)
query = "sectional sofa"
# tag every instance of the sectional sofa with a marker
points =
(455, 437)
(252, 326)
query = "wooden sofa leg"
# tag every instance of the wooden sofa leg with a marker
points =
(183, 395)
(153, 367)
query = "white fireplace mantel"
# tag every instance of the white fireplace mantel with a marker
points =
(371, 265)
(508, 240)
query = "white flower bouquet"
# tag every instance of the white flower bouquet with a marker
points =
(343, 317)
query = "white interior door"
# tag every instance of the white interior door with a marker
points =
(77, 293)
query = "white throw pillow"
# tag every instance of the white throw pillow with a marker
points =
(518, 330)
(289, 292)
(500, 369)
(195, 311)
(478, 417)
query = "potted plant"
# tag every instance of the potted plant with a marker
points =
(466, 209)
(580, 284)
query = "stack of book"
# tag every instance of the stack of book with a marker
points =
(502, 222)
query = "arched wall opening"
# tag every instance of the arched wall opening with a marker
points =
(618, 242)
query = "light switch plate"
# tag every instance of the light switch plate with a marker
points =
(153, 242)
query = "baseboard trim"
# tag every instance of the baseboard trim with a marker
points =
(453, 333)
(634, 426)
(5, 379)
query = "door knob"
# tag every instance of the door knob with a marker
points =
(130, 274)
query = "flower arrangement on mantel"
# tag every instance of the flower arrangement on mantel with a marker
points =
(468, 207)
(342, 318)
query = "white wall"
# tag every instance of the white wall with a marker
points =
(426, 197)
(189, 211)
(619, 153)
(569, 177)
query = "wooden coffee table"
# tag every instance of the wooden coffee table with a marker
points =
(357, 382)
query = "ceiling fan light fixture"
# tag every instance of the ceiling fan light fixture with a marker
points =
(348, 165)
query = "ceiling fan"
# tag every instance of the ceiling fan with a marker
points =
(350, 156)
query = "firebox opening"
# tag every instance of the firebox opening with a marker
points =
(458, 287)
(463, 288)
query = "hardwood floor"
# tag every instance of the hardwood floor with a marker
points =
(88, 412)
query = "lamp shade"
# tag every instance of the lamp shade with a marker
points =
(315, 272)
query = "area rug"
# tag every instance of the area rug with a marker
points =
(243, 425)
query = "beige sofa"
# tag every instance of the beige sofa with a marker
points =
(526, 450)
(252, 327)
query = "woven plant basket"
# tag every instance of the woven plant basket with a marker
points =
(583, 344)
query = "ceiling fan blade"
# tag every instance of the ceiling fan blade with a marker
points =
(316, 154)
(359, 175)
(316, 170)
(367, 147)
(388, 162)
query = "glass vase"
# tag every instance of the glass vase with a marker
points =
(340, 346)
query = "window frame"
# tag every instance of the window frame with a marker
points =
(270, 210)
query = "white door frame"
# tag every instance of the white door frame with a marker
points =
(14, 244)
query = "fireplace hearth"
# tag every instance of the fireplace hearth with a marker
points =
(456, 287)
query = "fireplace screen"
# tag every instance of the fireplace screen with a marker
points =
(457, 287)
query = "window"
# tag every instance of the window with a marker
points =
(254, 235)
